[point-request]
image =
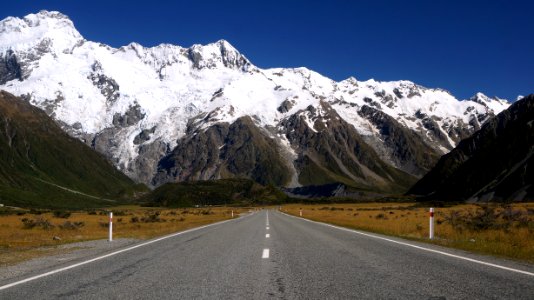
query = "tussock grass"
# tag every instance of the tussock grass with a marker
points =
(27, 234)
(500, 230)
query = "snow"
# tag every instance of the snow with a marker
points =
(20, 34)
(171, 87)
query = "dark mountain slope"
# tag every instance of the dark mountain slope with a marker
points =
(495, 164)
(240, 149)
(41, 166)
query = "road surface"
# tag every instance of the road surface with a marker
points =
(269, 255)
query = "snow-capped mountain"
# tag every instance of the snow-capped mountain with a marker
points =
(170, 113)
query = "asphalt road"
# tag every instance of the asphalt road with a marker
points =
(299, 260)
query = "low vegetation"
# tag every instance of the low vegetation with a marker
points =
(28, 233)
(501, 230)
(240, 192)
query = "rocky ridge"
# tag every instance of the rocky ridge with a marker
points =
(151, 110)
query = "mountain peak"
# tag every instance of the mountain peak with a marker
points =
(224, 43)
(495, 104)
(213, 55)
(44, 14)
(482, 98)
(52, 28)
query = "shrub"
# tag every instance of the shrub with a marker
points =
(37, 222)
(381, 216)
(152, 217)
(72, 225)
(336, 208)
(61, 214)
(487, 217)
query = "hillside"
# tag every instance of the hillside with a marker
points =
(495, 164)
(39, 163)
(233, 191)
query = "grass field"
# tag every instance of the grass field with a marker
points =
(506, 231)
(27, 234)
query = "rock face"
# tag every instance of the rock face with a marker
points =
(160, 114)
(494, 164)
(9, 67)
(401, 147)
(240, 149)
(333, 151)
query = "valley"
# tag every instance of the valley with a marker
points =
(232, 181)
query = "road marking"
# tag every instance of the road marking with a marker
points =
(112, 254)
(267, 236)
(265, 253)
(267, 223)
(418, 247)
(267, 227)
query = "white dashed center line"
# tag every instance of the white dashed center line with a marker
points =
(265, 253)
(267, 236)
(267, 227)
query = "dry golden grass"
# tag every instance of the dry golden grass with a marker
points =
(19, 242)
(506, 232)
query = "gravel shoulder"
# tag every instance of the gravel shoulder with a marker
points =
(62, 255)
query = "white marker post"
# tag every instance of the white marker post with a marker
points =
(431, 231)
(300, 212)
(110, 226)
(232, 213)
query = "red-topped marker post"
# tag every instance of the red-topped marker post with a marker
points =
(110, 226)
(431, 231)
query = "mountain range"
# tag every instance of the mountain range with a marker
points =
(169, 114)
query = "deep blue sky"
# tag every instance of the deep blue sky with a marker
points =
(461, 46)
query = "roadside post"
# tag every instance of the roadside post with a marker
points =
(110, 226)
(300, 212)
(232, 214)
(431, 231)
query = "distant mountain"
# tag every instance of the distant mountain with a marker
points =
(495, 164)
(41, 166)
(168, 113)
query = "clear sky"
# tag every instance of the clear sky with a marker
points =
(461, 46)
